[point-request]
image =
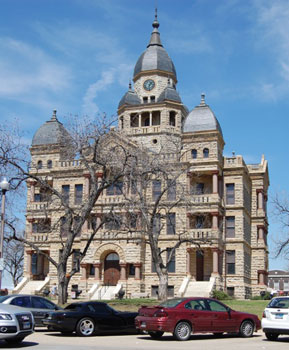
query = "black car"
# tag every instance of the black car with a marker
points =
(39, 306)
(90, 318)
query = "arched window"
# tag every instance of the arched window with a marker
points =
(172, 118)
(206, 153)
(49, 164)
(39, 164)
(121, 122)
(112, 257)
(194, 153)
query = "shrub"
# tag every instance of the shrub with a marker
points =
(220, 295)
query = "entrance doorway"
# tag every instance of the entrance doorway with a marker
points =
(200, 265)
(39, 266)
(111, 270)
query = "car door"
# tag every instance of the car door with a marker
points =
(201, 318)
(40, 308)
(22, 301)
(222, 320)
(106, 318)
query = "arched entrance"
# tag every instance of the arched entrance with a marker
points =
(200, 265)
(111, 269)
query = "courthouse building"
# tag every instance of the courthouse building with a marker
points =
(231, 194)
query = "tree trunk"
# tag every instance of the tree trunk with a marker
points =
(163, 286)
(63, 281)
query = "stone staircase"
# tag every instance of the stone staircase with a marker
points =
(106, 292)
(198, 288)
(31, 287)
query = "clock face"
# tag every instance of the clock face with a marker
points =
(149, 84)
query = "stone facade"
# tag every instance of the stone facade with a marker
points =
(227, 192)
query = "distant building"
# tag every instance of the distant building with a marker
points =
(230, 193)
(278, 280)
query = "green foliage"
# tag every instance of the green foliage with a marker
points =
(265, 296)
(220, 295)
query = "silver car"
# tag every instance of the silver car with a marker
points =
(39, 306)
(15, 323)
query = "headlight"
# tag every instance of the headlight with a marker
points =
(5, 317)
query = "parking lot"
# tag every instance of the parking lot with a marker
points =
(44, 340)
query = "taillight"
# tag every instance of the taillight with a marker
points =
(264, 314)
(160, 313)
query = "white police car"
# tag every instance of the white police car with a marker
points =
(275, 319)
(15, 324)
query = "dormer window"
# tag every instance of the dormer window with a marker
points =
(153, 99)
(49, 164)
(145, 99)
(206, 153)
(39, 164)
(172, 118)
(194, 153)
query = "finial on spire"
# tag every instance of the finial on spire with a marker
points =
(155, 37)
(54, 118)
(156, 22)
(203, 102)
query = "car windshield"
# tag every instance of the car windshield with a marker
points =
(4, 297)
(279, 303)
(171, 303)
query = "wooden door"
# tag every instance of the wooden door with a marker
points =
(111, 270)
(200, 266)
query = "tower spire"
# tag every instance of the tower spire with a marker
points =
(155, 37)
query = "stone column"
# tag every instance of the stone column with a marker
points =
(215, 216)
(29, 260)
(188, 220)
(30, 220)
(83, 271)
(260, 199)
(215, 182)
(189, 182)
(261, 275)
(215, 261)
(151, 119)
(122, 271)
(97, 268)
(137, 271)
(260, 229)
(189, 273)
(86, 185)
(139, 120)
(32, 190)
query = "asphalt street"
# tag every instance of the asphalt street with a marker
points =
(44, 340)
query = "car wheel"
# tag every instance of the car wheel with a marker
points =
(14, 340)
(85, 327)
(156, 334)
(182, 331)
(272, 336)
(246, 329)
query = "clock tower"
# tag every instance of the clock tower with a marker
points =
(151, 112)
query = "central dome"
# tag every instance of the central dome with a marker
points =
(155, 57)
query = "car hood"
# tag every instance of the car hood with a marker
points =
(12, 309)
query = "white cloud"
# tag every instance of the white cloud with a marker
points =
(26, 69)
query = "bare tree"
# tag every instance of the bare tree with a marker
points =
(98, 151)
(13, 260)
(155, 190)
(281, 211)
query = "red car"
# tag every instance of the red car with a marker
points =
(183, 316)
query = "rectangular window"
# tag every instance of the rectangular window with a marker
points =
(145, 100)
(37, 197)
(276, 285)
(113, 222)
(78, 194)
(171, 292)
(132, 220)
(200, 188)
(157, 224)
(65, 193)
(230, 193)
(172, 264)
(115, 189)
(231, 291)
(230, 262)
(171, 192)
(171, 224)
(153, 99)
(131, 270)
(230, 226)
(157, 188)
(75, 259)
(91, 270)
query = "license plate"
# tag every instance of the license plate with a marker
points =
(26, 325)
(143, 325)
(280, 316)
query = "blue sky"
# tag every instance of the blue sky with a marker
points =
(77, 56)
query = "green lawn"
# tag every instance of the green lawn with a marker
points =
(253, 306)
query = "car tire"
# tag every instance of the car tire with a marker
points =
(156, 334)
(182, 331)
(85, 327)
(14, 340)
(272, 336)
(246, 329)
